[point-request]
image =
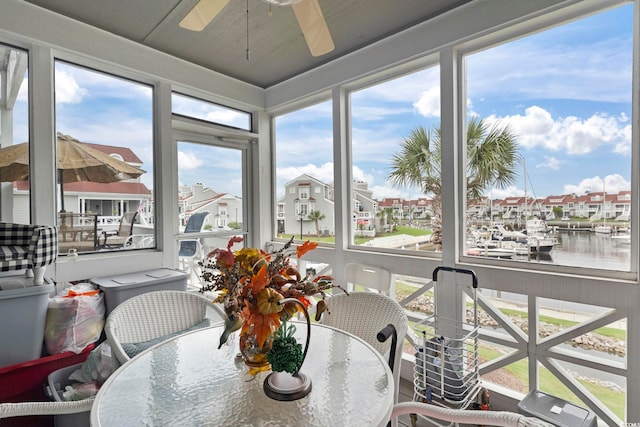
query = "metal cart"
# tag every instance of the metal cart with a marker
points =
(446, 370)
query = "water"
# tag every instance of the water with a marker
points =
(588, 249)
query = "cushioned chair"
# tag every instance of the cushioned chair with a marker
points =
(492, 418)
(366, 315)
(147, 319)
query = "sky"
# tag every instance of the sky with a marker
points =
(564, 92)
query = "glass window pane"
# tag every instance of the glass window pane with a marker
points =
(210, 112)
(396, 202)
(105, 161)
(304, 174)
(210, 201)
(563, 99)
(14, 135)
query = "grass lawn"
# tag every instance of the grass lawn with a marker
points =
(563, 323)
(614, 400)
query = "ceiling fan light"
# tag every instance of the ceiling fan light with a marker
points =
(282, 2)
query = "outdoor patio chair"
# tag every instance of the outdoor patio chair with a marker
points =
(117, 239)
(368, 315)
(190, 251)
(147, 319)
(465, 416)
(140, 241)
(373, 278)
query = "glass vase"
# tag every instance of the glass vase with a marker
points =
(254, 355)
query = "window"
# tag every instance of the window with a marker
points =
(113, 117)
(211, 199)
(210, 112)
(304, 159)
(14, 131)
(395, 209)
(562, 97)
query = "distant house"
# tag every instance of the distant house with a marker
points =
(224, 208)
(420, 208)
(305, 194)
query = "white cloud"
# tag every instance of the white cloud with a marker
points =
(612, 184)
(550, 163)
(429, 103)
(323, 172)
(624, 146)
(502, 193)
(67, 89)
(388, 191)
(207, 111)
(187, 161)
(538, 128)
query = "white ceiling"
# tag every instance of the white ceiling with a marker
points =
(277, 48)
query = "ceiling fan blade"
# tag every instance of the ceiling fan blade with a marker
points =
(202, 13)
(313, 26)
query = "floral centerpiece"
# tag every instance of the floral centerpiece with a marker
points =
(250, 284)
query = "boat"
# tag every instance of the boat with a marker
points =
(603, 228)
(502, 253)
(498, 231)
(539, 238)
(540, 243)
(536, 226)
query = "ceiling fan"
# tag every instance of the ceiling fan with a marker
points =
(308, 13)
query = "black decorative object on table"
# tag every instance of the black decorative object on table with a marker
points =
(282, 383)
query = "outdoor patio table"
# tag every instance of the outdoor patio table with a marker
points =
(188, 381)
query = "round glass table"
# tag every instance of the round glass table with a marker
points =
(188, 381)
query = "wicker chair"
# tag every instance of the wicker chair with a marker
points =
(152, 317)
(22, 409)
(493, 418)
(365, 315)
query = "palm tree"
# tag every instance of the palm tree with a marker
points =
(492, 159)
(385, 216)
(316, 217)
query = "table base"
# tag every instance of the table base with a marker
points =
(284, 386)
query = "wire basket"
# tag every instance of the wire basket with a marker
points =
(446, 369)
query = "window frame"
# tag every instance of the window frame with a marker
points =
(496, 38)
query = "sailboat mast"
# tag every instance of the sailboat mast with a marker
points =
(526, 200)
(604, 198)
